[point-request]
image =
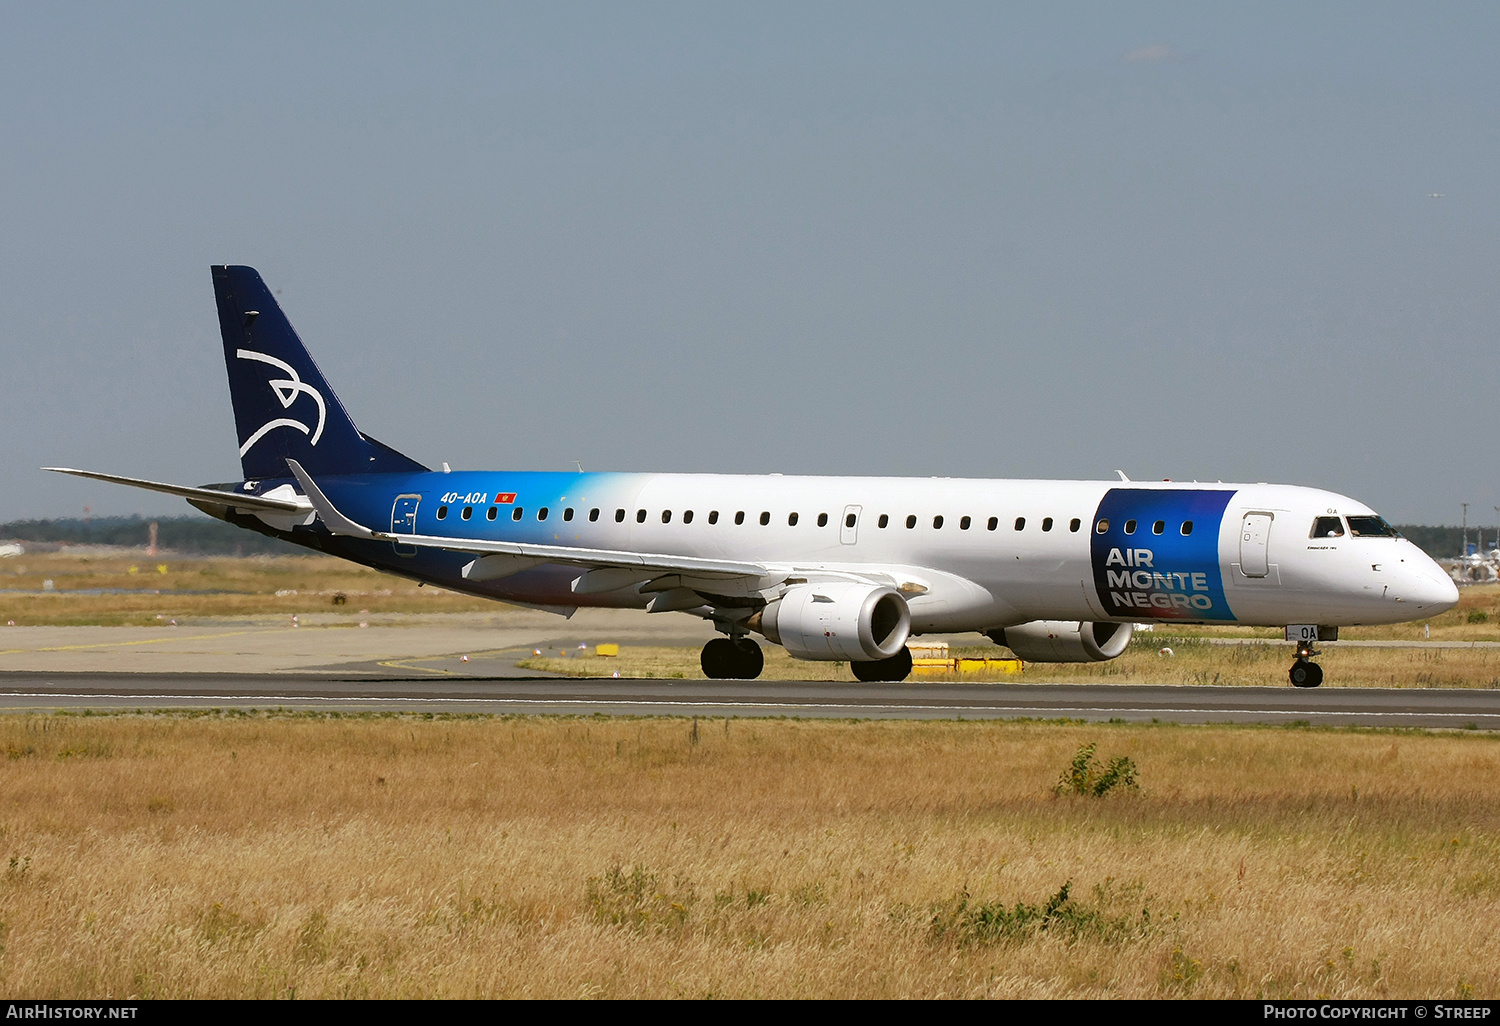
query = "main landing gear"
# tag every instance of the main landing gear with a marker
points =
(1304, 672)
(741, 659)
(897, 667)
(737, 659)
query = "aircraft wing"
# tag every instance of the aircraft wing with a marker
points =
(569, 555)
(214, 495)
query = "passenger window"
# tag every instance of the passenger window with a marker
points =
(517, 513)
(883, 521)
(666, 516)
(640, 516)
(541, 514)
(937, 523)
(849, 521)
(1130, 527)
(593, 514)
(713, 516)
(1020, 523)
(1047, 524)
(791, 520)
(490, 513)
(467, 512)
(1102, 527)
(619, 516)
(765, 518)
(911, 522)
(963, 523)
(739, 518)
(993, 524)
(568, 513)
(822, 519)
(1074, 525)
(1327, 527)
(1187, 528)
(1158, 527)
(687, 516)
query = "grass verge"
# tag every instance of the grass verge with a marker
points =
(270, 855)
(130, 589)
(1192, 660)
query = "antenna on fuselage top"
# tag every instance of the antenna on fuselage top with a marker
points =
(1122, 475)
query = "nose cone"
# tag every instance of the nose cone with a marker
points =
(1429, 590)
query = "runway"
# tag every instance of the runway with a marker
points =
(32, 692)
(466, 664)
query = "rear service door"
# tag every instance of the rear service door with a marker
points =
(1255, 532)
(404, 521)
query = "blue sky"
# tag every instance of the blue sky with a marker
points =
(1183, 240)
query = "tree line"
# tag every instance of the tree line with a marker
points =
(200, 535)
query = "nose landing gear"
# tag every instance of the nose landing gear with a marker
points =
(1304, 672)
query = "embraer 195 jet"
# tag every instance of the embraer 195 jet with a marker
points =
(831, 568)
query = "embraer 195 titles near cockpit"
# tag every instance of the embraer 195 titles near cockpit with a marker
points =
(831, 568)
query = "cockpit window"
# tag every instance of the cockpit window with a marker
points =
(1327, 527)
(1371, 527)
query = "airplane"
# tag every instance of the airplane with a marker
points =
(831, 568)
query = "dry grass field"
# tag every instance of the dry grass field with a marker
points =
(124, 588)
(277, 856)
(280, 855)
(1195, 661)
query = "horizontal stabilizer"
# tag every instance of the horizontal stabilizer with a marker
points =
(214, 495)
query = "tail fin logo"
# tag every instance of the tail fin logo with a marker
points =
(287, 389)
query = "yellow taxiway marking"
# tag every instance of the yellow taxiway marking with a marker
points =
(397, 664)
(410, 664)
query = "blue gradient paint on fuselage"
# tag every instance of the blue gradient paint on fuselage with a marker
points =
(1168, 576)
(370, 499)
(530, 506)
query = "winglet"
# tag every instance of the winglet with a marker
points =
(327, 511)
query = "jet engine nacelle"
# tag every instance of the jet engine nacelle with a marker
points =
(1064, 641)
(838, 621)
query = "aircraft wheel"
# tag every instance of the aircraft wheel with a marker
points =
(723, 659)
(717, 659)
(897, 667)
(1305, 675)
(749, 659)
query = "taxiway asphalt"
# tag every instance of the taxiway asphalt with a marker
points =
(1383, 707)
(419, 665)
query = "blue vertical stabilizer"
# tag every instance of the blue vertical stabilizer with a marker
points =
(283, 407)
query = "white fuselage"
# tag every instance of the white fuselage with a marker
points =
(978, 553)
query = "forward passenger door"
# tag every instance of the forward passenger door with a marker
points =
(1255, 533)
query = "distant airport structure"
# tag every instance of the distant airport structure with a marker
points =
(1474, 564)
